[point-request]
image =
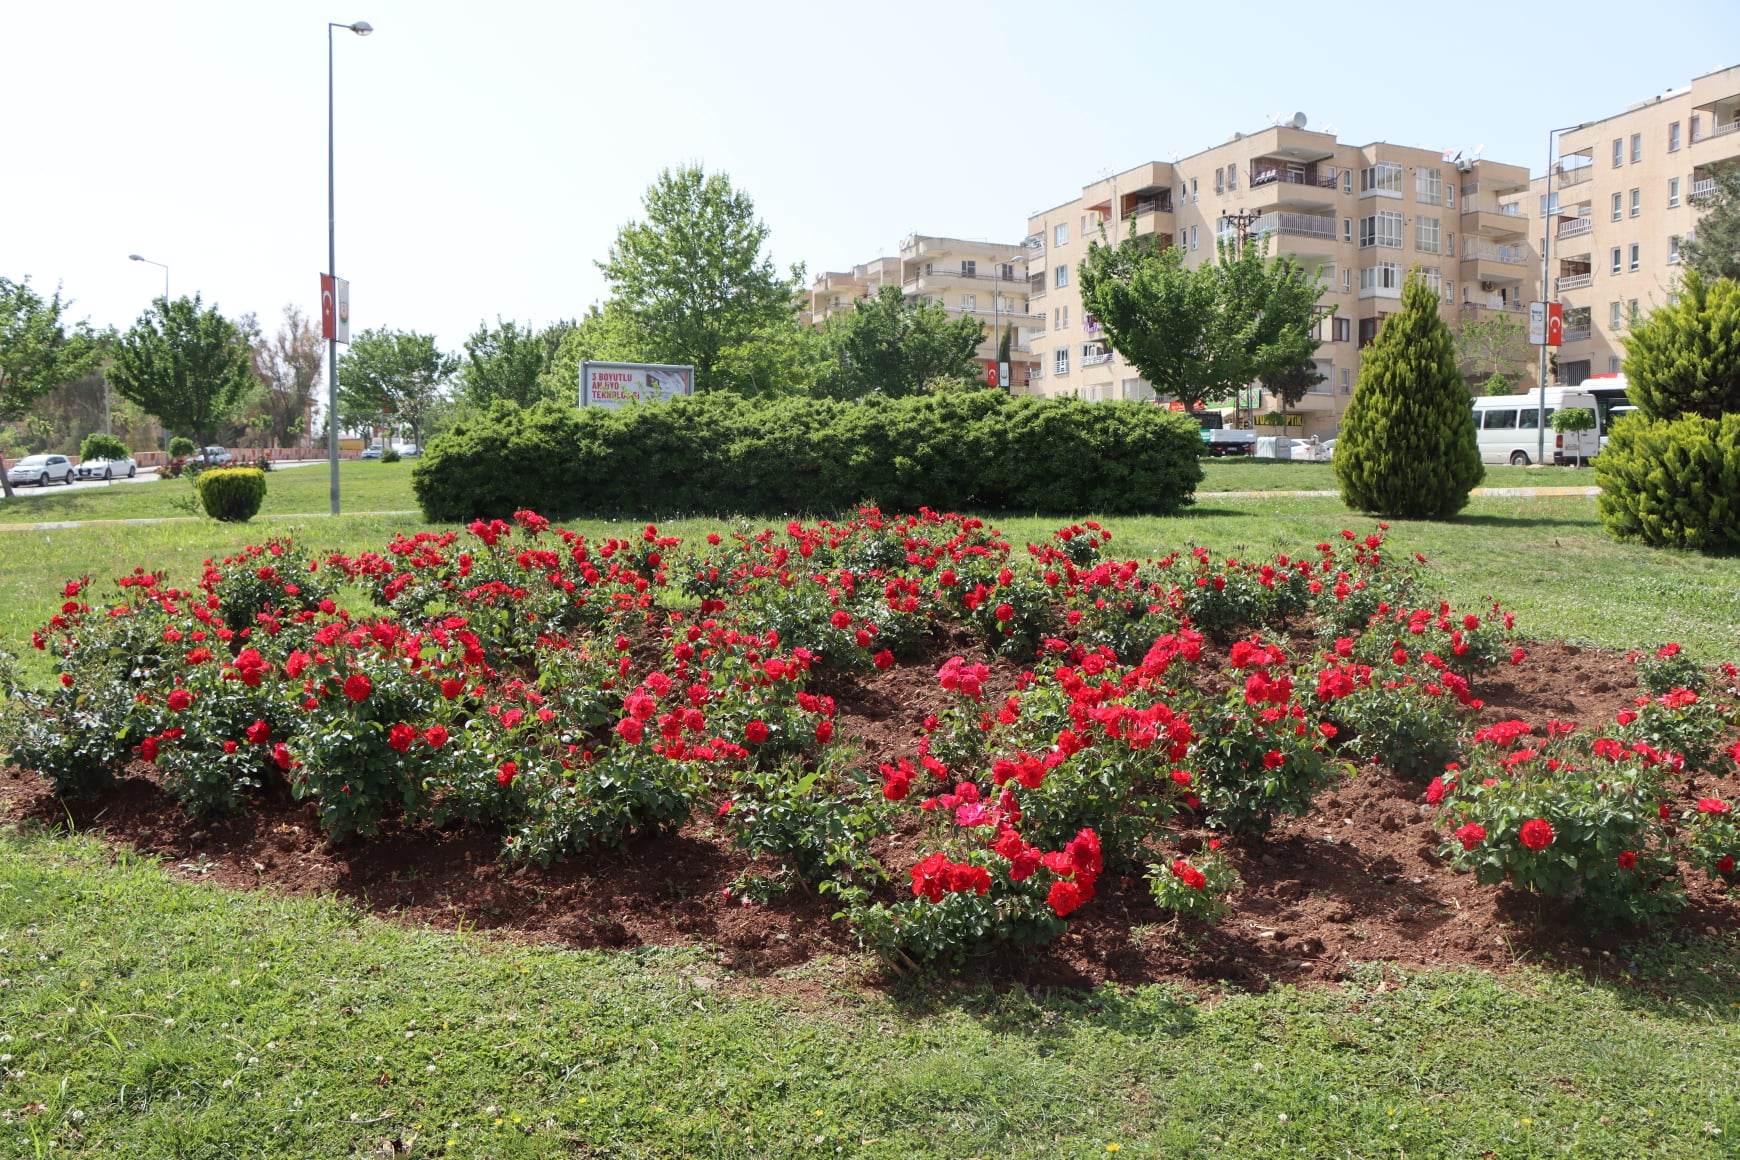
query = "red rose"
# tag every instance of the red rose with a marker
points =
(755, 732)
(1536, 834)
(1471, 835)
(259, 733)
(66, 680)
(1190, 875)
(452, 687)
(1274, 759)
(436, 736)
(1628, 860)
(1712, 806)
(148, 749)
(401, 736)
(1064, 898)
(281, 754)
(824, 732)
(630, 730)
(1005, 613)
(358, 687)
(180, 699)
(884, 659)
(1435, 791)
(1725, 863)
(505, 773)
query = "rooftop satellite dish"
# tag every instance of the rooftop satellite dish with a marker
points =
(1275, 117)
(1329, 127)
(1475, 154)
(1298, 121)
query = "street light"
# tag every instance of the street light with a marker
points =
(1549, 289)
(361, 28)
(996, 314)
(149, 262)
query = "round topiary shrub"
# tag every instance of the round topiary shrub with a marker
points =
(1672, 482)
(232, 494)
(181, 447)
(1407, 446)
(390, 455)
(100, 446)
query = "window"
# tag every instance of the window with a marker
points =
(1193, 237)
(1384, 179)
(1636, 148)
(1449, 291)
(1618, 206)
(1347, 229)
(1531, 420)
(1450, 244)
(1697, 122)
(969, 301)
(1368, 328)
(1006, 272)
(1060, 276)
(1426, 235)
(1636, 202)
(1381, 229)
(1673, 192)
(1549, 204)
(1060, 361)
(1636, 255)
(1342, 329)
(1612, 364)
(1346, 281)
(1060, 236)
(1346, 381)
(1500, 420)
(1220, 180)
(1433, 277)
(1450, 196)
(1347, 181)
(1193, 192)
(1674, 137)
(1618, 152)
(969, 269)
(1631, 309)
(1617, 260)
(1429, 186)
(1065, 324)
(1674, 250)
(1616, 315)
(1383, 276)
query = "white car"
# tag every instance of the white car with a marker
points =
(107, 468)
(41, 470)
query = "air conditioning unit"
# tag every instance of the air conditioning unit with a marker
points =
(1465, 165)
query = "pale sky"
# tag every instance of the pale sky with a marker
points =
(487, 153)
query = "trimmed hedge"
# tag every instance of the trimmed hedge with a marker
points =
(232, 494)
(720, 454)
(1672, 482)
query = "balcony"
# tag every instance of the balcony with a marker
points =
(1716, 129)
(1576, 333)
(1480, 250)
(1565, 176)
(1704, 185)
(1489, 219)
(1573, 282)
(1139, 206)
(1302, 224)
(1575, 228)
(1094, 360)
(1289, 185)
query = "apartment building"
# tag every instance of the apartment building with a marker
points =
(1359, 218)
(974, 279)
(1616, 205)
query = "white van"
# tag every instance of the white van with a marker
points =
(1508, 430)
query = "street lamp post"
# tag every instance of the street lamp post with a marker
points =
(361, 28)
(1549, 290)
(996, 315)
(149, 262)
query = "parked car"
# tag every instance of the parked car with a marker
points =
(41, 470)
(107, 468)
(213, 457)
(371, 452)
(407, 449)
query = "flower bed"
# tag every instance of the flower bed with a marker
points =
(1094, 722)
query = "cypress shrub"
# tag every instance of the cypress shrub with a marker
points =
(1407, 446)
(1685, 358)
(1672, 482)
(232, 494)
(718, 454)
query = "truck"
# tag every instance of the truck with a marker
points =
(1220, 439)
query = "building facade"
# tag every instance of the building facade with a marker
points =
(1357, 218)
(1616, 205)
(987, 281)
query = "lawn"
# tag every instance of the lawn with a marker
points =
(365, 486)
(1243, 474)
(148, 1014)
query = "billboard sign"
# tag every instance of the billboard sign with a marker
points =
(614, 384)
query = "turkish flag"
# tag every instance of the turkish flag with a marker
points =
(991, 378)
(328, 308)
(1555, 324)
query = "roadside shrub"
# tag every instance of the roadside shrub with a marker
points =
(1712, 839)
(721, 454)
(1684, 359)
(181, 447)
(1672, 482)
(100, 446)
(1407, 445)
(1668, 667)
(390, 455)
(232, 494)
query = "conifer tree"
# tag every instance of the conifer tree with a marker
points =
(1407, 446)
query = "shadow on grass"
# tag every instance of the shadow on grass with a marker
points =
(1489, 520)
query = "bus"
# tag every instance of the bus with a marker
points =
(1508, 428)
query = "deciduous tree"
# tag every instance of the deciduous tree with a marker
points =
(392, 374)
(37, 352)
(1713, 249)
(1492, 349)
(888, 345)
(185, 363)
(1200, 334)
(691, 279)
(510, 361)
(289, 366)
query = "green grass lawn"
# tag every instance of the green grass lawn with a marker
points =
(364, 486)
(1243, 474)
(146, 1014)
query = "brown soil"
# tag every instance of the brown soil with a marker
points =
(1358, 880)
